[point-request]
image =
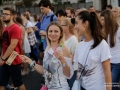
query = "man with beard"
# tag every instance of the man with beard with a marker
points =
(11, 41)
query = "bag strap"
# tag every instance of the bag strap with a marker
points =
(87, 56)
(51, 18)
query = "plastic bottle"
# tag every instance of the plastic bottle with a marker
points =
(42, 38)
(60, 48)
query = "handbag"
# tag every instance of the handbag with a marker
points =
(76, 85)
(44, 87)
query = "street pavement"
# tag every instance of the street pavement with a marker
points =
(32, 81)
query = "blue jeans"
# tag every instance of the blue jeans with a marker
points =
(115, 75)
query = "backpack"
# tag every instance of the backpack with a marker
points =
(51, 18)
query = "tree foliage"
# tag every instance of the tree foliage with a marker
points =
(57, 1)
(28, 3)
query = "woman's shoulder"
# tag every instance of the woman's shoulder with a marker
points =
(73, 37)
(103, 43)
(66, 51)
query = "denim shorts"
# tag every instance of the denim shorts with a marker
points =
(14, 71)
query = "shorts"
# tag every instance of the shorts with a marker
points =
(14, 71)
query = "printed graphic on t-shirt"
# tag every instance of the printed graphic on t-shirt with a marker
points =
(5, 39)
(84, 71)
(51, 72)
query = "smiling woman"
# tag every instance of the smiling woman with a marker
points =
(54, 32)
(57, 64)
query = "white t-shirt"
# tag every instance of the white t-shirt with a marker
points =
(115, 51)
(94, 78)
(71, 43)
(53, 69)
(28, 24)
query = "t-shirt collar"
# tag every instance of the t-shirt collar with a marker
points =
(51, 13)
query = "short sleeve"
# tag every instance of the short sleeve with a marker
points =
(69, 63)
(105, 52)
(74, 44)
(75, 55)
(29, 24)
(54, 18)
(16, 33)
(118, 33)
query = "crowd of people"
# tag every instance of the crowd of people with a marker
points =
(63, 45)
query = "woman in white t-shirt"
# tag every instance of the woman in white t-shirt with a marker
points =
(71, 41)
(57, 63)
(70, 34)
(92, 54)
(112, 31)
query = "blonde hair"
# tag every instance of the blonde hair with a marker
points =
(61, 39)
(67, 21)
(118, 17)
(118, 9)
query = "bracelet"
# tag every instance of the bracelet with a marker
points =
(32, 64)
(2, 59)
(63, 65)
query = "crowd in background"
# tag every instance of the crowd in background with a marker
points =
(89, 38)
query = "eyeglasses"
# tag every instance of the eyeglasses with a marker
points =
(5, 14)
(63, 25)
(114, 11)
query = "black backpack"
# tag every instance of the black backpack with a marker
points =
(51, 18)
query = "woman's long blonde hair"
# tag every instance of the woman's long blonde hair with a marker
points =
(67, 21)
(61, 39)
(118, 17)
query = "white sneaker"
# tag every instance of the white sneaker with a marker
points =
(24, 73)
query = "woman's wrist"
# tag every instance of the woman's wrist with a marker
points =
(30, 61)
(63, 60)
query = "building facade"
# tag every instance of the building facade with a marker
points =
(98, 4)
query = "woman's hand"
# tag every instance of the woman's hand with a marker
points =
(42, 32)
(25, 59)
(59, 55)
(35, 28)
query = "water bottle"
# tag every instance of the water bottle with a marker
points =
(42, 38)
(60, 48)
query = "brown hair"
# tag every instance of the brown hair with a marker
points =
(1, 28)
(35, 17)
(71, 10)
(94, 25)
(10, 9)
(26, 15)
(61, 39)
(111, 26)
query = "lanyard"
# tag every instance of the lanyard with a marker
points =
(55, 50)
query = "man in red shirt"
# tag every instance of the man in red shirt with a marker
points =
(11, 41)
